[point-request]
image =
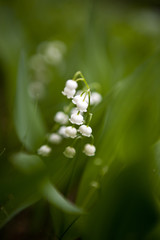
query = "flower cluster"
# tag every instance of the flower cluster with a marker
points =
(74, 121)
(48, 55)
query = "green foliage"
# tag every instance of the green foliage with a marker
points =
(28, 122)
(116, 194)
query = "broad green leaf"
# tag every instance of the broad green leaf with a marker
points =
(17, 192)
(28, 121)
(14, 206)
(27, 163)
(54, 197)
(126, 208)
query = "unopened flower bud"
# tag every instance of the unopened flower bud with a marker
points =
(44, 150)
(54, 138)
(96, 98)
(62, 130)
(94, 184)
(61, 118)
(69, 152)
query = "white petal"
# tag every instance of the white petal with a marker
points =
(71, 84)
(69, 92)
(82, 106)
(71, 132)
(85, 130)
(76, 119)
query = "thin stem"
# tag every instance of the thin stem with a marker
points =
(76, 75)
(75, 140)
(69, 227)
(80, 79)
(89, 119)
(82, 93)
(2, 152)
(92, 139)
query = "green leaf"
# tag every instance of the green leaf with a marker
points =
(54, 197)
(28, 121)
(14, 206)
(17, 192)
(27, 164)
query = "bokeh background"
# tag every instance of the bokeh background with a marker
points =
(108, 41)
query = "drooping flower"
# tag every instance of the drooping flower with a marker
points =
(61, 118)
(81, 103)
(70, 88)
(82, 106)
(89, 149)
(71, 84)
(55, 138)
(69, 152)
(44, 150)
(85, 130)
(96, 98)
(77, 98)
(71, 132)
(76, 119)
(62, 132)
(69, 93)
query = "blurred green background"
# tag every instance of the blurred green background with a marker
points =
(116, 45)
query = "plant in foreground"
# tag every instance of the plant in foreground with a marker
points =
(74, 121)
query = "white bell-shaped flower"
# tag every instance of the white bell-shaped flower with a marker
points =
(89, 149)
(76, 119)
(82, 106)
(71, 84)
(96, 98)
(62, 131)
(44, 150)
(69, 93)
(71, 132)
(61, 118)
(55, 138)
(77, 98)
(69, 152)
(81, 102)
(85, 130)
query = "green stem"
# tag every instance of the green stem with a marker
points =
(67, 229)
(80, 79)
(89, 119)
(75, 140)
(92, 141)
